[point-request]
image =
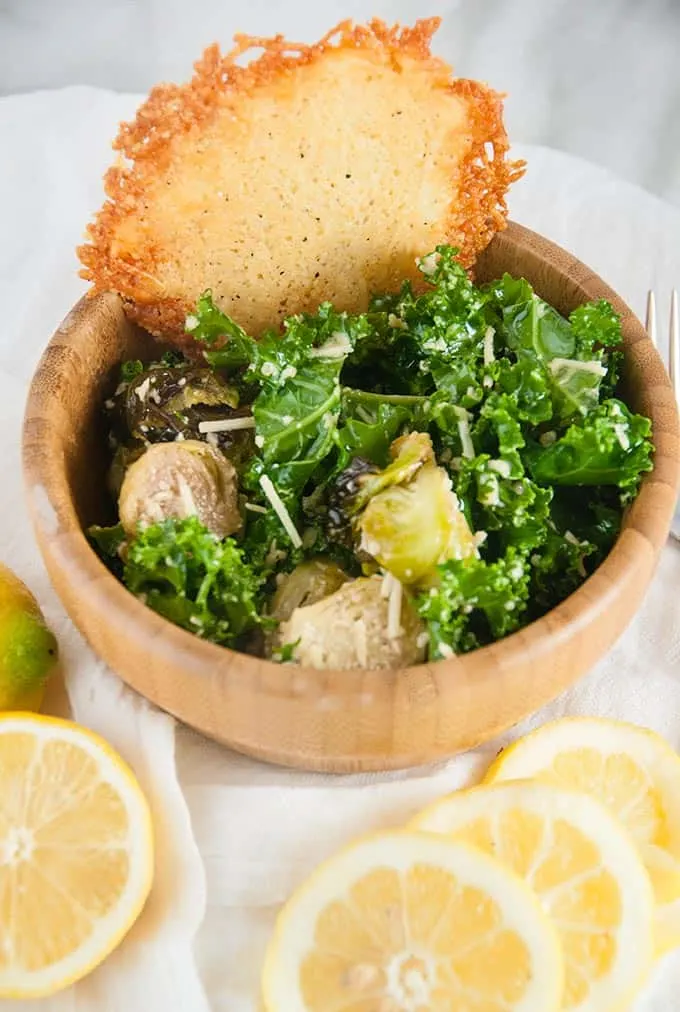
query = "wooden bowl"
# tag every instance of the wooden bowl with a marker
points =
(330, 720)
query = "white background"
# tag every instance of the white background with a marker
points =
(597, 78)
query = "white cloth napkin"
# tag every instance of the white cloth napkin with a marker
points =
(235, 836)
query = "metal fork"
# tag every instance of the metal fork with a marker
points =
(673, 365)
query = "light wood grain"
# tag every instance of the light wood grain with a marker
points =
(344, 720)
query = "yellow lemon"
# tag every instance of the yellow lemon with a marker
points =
(28, 650)
(583, 866)
(76, 854)
(634, 773)
(407, 921)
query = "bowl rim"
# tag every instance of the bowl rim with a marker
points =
(645, 528)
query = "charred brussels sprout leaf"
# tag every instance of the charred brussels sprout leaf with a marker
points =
(408, 453)
(411, 528)
(163, 402)
(108, 542)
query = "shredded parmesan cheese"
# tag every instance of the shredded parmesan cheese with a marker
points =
(428, 264)
(188, 504)
(501, 467)
(143, 389)
(464, 432)
(364, 414)
(253, 507)
(573, 364)
(445, 650)
(282, 513)
(227, 424)
(386, 585)
(360, 641)
(489, 356)
(337, 346)
(394, 610)
(491, 495)
(622, 436)
(395, 321)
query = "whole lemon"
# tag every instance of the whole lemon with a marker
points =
(28, 650)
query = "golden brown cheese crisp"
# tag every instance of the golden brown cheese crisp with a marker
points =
(312, 173)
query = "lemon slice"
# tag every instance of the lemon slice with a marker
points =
(408, 921)
(632, 771)
(76, 859)
(582, 865)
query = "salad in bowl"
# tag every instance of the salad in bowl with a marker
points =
(377, 489)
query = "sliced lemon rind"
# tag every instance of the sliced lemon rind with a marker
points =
(399, 851)
(635, 947)
(601, 733)
(530, 755)
(112, 928)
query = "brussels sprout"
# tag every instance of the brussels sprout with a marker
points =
(351, 629)
(161, 398)
(409, 453)
(412, 528)
(354, 487)
(342, 497)
(308, 583)
(163, 403)
(122, 459)
(183, 479)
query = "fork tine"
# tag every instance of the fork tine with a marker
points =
(674, 345)
(650, 323)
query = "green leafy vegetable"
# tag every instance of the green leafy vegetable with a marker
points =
(596, 326)
(195, 580)
(107, 540)
(130, 370)
(476, 602)
(369, 422)
(609, 447)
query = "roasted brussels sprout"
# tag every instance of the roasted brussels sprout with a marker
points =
(359, 626)
(412, 528)
(179, 480)
(409, 453)
(341, 500)
(123, 458)
(406, 516)
(163, 403)
(305, 585)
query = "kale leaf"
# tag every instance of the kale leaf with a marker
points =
(475, 602)
(610, 446)
(189, 576)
